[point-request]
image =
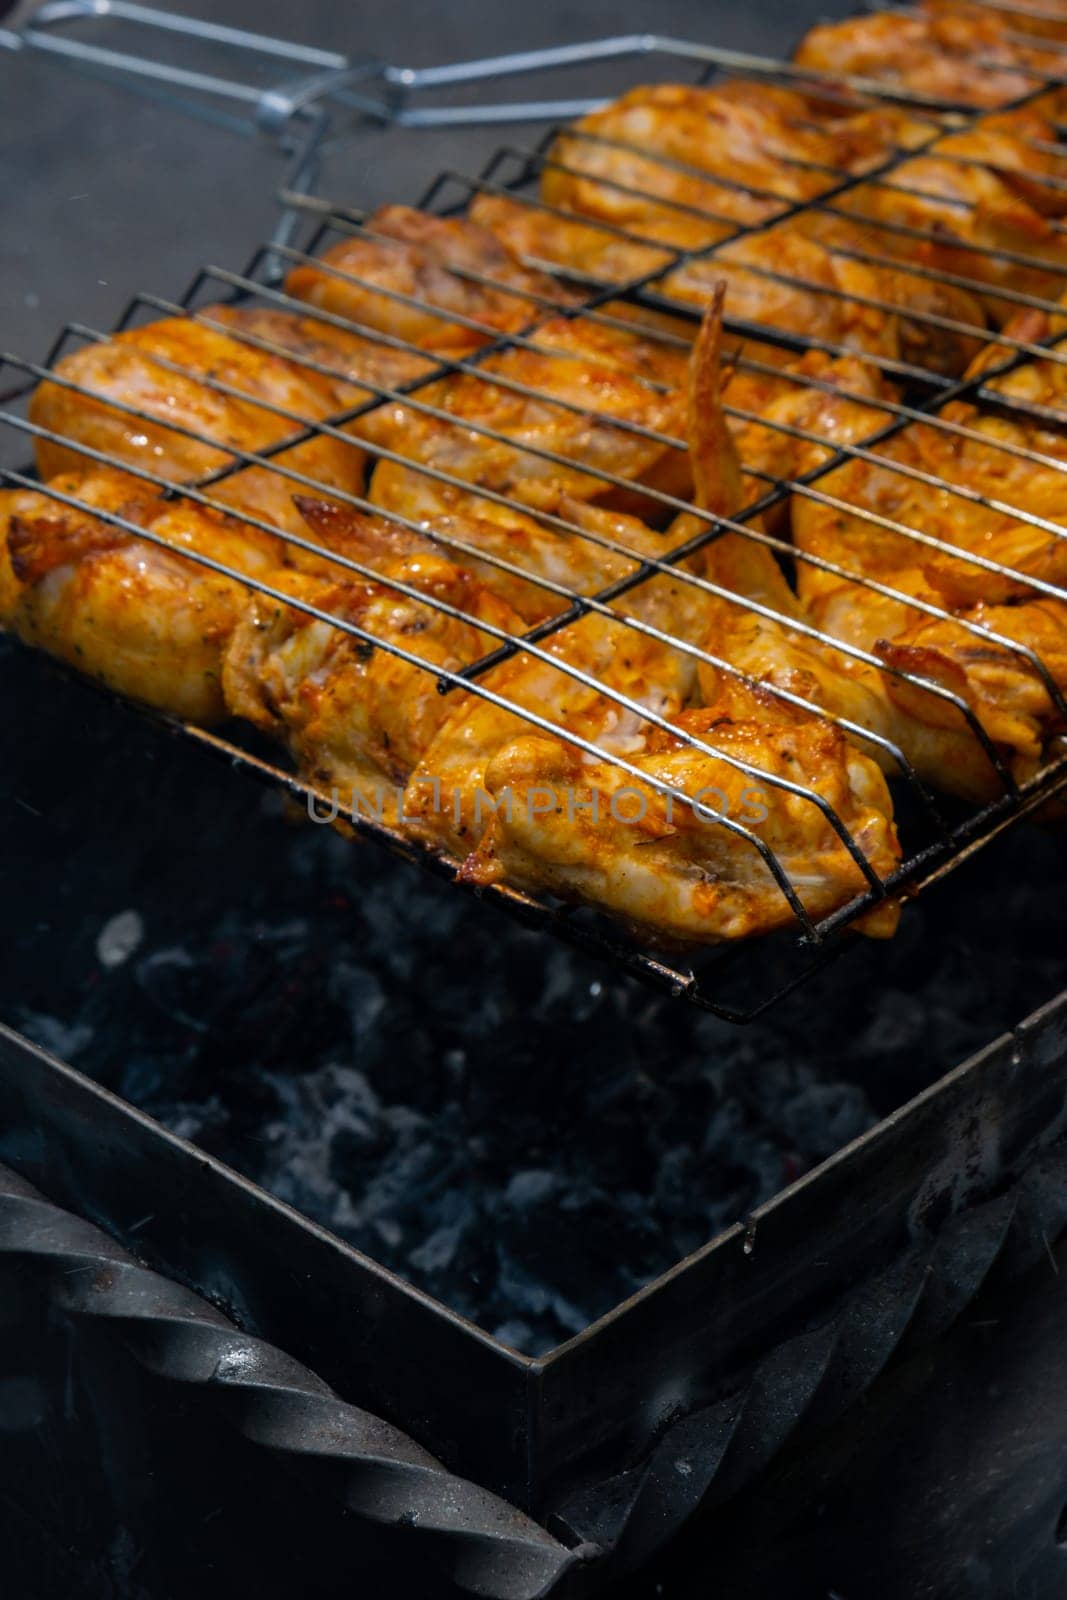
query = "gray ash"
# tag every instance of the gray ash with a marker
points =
(505, 1123)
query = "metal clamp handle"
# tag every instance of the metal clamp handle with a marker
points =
(353, 89)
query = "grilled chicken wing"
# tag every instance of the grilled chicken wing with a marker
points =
(684, 165)
(869, 705)
(909, 511)
(831, 283)
(482, 544)
(575, 547)
(353, 366)
(824, 279)
(982, 205)
(600, 680)
(566, 542)
(589, 252)
(787, 282)
(970, 60)
(1044, 18)
(567, 397)
(408, 273)
(787, 420)
(654, 160)
(588, 828)
(785, 643)
(142, 617)
(1021, 148)
(357, 716)
(1034, 393)
(163, 370)
(681, 167)
(882, 540)
(1010, 697)
(669, 866)
(635, 350)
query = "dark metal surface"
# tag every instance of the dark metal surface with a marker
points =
(381, 1475)
(808, 1383)
(947, 1482)
(680, 1399)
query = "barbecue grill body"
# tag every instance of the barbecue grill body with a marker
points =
(948, 1480)
(757, 1348)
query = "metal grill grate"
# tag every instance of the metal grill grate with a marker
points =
(936, 835)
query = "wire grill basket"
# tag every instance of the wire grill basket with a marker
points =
(906, 393)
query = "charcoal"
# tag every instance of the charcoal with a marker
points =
(63, 1039)
(441, 1251)
(204, 1123)
(510, 1125)
(824, 1117)
(23, 1405)
(168, 978)
(528, 1189)
(519, 1335)
(119, 938)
